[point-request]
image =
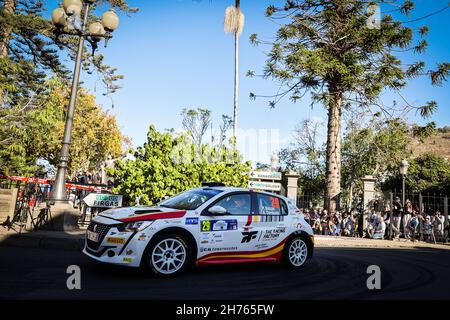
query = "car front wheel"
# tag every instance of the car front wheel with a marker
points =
(295, 252)
(168, 255)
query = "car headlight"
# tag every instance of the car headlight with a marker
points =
(137, 226)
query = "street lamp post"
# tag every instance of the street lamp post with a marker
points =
(403, 171)
(65, 21)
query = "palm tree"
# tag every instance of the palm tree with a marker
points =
(234, 23)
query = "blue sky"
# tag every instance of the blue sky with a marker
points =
(174, 54)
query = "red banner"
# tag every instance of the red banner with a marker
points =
(69, 185)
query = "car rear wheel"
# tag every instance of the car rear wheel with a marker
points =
(295, 253)
(168, 255)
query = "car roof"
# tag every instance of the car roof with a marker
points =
(233, 189)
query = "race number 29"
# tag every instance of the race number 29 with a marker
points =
(206, 225)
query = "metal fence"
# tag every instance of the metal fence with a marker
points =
(308, 201)
(425, 204)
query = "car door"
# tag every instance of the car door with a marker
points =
(269, 218)
(231, 232)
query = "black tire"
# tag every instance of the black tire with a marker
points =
(156, 266)
(298, 258)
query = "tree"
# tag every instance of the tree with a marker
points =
(234, 23)
(374, 149)
(427, 173)
(35, 131)
(304, 154)
(227, 123)
(196, 122)
(334, 51)
(167, 164)
(29, 51)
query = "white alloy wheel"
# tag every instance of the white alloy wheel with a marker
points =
(298, 252)
(168, 256)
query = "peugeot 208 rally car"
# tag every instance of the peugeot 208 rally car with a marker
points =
(207, 225)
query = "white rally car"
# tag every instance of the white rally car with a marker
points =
(208, 225)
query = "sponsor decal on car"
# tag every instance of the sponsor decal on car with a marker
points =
(172, 221)
(115, 240)
(273, 234)
(261, 246)
(203, 249)
(127, 259)
(142, 237)
(211, 237)
(218, 225)
(248, 236)
(191, 221)
(272, 218)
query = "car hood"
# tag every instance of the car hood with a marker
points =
(130, 214)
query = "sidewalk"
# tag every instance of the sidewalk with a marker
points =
(345, 242)
(69, 240)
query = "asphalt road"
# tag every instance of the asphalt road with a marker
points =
(334, 273)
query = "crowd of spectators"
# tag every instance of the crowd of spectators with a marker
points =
(407, 222)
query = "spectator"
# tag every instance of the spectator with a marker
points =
(324, 222)
(413, 226)
(427, 228)
(406, 217)
(397, 210)
(387, 221)
(372, 223)
(337, 223)
(317, 227)
(348, 225)
(438, 225)
(379, 228)
(307, 216)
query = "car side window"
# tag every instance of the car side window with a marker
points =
(236, 204)
(271, 205)
(284, 208)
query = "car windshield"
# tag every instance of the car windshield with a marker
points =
(189, 200)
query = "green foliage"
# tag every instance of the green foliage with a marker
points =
(167, 164)
(34, 131)
(424, 132)
(324, 45)
(427, 173)
(30, 51)
(374, 150)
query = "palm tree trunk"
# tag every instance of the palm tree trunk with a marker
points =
(236, 85)
(236, 80)
(333, 173)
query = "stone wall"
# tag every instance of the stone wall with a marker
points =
(7, 203)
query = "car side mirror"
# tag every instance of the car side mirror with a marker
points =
(217, 211)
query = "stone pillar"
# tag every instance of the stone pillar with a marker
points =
(291, 192)
(64, 217)
(368, 195)
(8, 199)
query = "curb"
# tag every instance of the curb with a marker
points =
(74, 242)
